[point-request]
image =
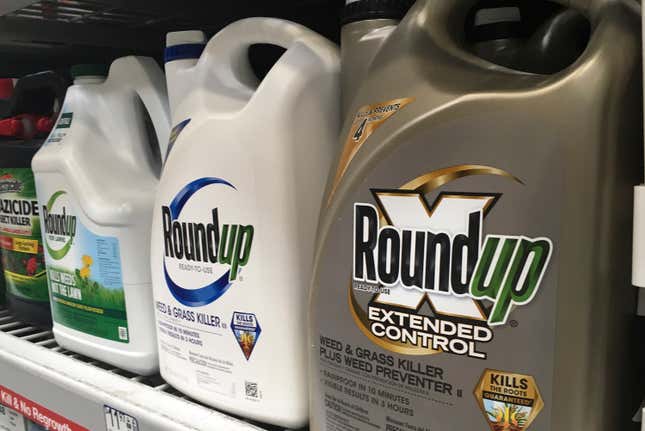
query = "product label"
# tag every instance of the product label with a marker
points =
(247, 329)
(84, 269)
(434, 294)
(409, 253)
(20, 236)
(208, 251)
(62, 128)
(509, 401)
(211, 247)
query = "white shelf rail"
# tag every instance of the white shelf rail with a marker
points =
(80, 389)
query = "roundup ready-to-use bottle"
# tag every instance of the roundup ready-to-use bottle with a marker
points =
(96, 178)
(474, 249)
(39, 95)
(236, 214)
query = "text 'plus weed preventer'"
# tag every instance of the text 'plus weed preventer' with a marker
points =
(473, 256)
(96, 178)
(236, 214)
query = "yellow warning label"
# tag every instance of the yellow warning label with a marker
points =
(25, 245)
(509, 401)
(367, 120)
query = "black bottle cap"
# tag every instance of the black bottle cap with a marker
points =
(362, 10)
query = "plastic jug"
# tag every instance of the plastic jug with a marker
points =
(21, 247)
(96, 177)
(236, 214)
(473, 255)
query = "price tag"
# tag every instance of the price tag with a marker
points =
(10, 420)
(116, 420)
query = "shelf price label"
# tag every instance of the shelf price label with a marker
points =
(116, 420)
(11, 420)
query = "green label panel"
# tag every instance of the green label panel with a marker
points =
(87, 306)
(20, 237)
(84, 270)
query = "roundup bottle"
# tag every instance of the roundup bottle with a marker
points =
(96, 176)
(21, 246)
(475, 239)
(236, 214)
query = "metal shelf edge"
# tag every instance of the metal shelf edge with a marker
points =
(154, 410)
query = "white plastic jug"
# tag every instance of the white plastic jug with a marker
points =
(236, 214)
(96, 178)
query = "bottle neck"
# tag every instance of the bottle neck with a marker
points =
(360, 42)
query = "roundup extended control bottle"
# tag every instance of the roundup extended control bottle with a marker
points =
(474, 246)
(96, 177)
(236, 214)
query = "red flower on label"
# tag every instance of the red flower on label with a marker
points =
(31, 266)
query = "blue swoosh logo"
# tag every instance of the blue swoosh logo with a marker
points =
(211, 292)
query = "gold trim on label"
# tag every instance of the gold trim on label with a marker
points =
(367, 120)
(433, 180)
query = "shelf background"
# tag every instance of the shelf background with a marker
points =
(54, 34)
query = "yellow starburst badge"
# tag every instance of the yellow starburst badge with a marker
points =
(509, 401)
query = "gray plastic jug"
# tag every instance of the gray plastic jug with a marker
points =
(473, 258)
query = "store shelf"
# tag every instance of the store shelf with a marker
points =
(79, 389)
(41, 34)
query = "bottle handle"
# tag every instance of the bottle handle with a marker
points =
(229, 48)
(144, 77)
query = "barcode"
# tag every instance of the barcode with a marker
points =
(123, 333)
(251, 389)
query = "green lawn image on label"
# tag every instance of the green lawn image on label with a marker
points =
(101, 311)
